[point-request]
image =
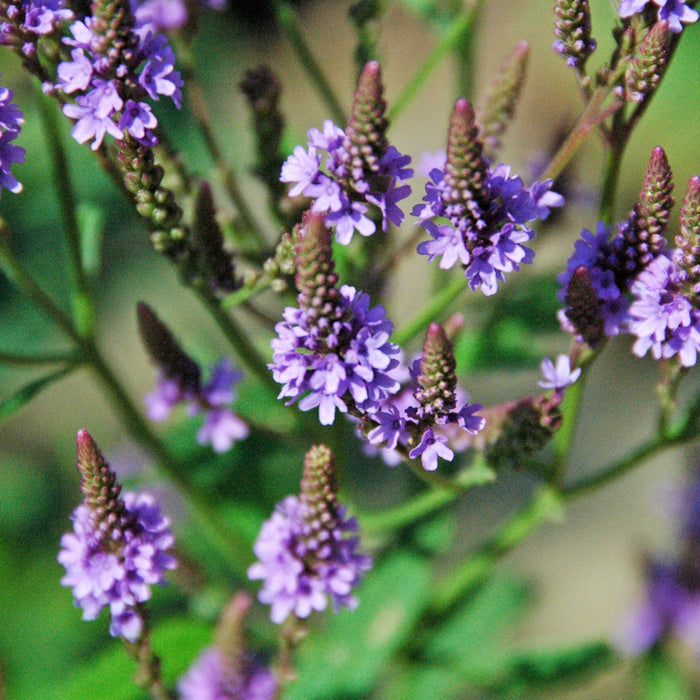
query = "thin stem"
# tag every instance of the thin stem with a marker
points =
(11, 358)
(288, 20)
(449, 41)
(245, 350)
(545, 506)
(83, 306)
(148, 675)
(438, 303)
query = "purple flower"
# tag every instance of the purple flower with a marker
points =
(10, 125)
(359, 366)
(489, 243)
(210, 678)
(221, 429)
(675, 12)
(138, 120)
(300, 573)
(431, 447)
(662, 315)
(560, 376)
(159, 15)
(342, 192)
(117, 568)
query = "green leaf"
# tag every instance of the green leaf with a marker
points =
(357, 646)
(91, 225)
(24, 395)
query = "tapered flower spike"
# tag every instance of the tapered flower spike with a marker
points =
(437, 380)
(688, 241)
(365, 135)
(583, 307)
(502, 98)
(466, 169)
(644, 234)
(214, 262)
(648, 65)
(165, 351)
(572, 28)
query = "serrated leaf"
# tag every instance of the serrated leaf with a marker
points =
(357, 646)
(26, 393)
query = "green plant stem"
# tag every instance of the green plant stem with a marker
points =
(427, 502)
(288, 20)
(453, 38)
(11, 358)
(83, 304)
(438, 303)
(242, 295)
(245, 350)
(545, 506)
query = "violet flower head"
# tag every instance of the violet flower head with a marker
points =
(333, 351)
(361, 169)
(662, 315)
(558, 376)
(119, 548)
(30, 19)
(482, 213)
(675, 12)
(210, 679)
(11, 121)
(112, 85)
(307, 549)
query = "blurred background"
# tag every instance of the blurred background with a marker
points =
(583, 574)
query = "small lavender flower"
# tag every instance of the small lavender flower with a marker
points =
(306, 550)
(487, 211)
(675, 12)
(361, 168)
(333, 352)
(118, 549)
(112, 73)
(558, 376)
(30, 19)
(662, 315)
(11, 121)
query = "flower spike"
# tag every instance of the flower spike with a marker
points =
(688, 241)
(648, 65)
(572, 27)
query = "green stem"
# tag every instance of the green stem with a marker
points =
(11, 358)
(438, 303)
(545, 506)
(83, 306)
(288, 20)
(427, 502)
(453, 37)
(611, 180)
(239, 341)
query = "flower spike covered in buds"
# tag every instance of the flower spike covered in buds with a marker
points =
(486, 211)
(688, 241)
(648, 65)
(572, 27)
(361, 168)
(306, 550)
(333, 351)
(119, 547)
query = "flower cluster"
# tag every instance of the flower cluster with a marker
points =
(675, 12)
(434, 413)
(179, 382)
(487, 211)
(361, 168)
(30, 19)
(306, 550)
(112, 87)
(333, 351)
(118, 549)
(10, 125)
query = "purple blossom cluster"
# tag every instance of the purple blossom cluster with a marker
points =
(489, 242)
(221, 428)
(403, 423)
(560, 375)
(300, 573)
(111, 92)
(600, 254)
(117, 568)
(11, 121)
(210, 679)
(675, 12)
(662, 314)
(343, 192)
(166, 15)
(30, 19)
(347, 363)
